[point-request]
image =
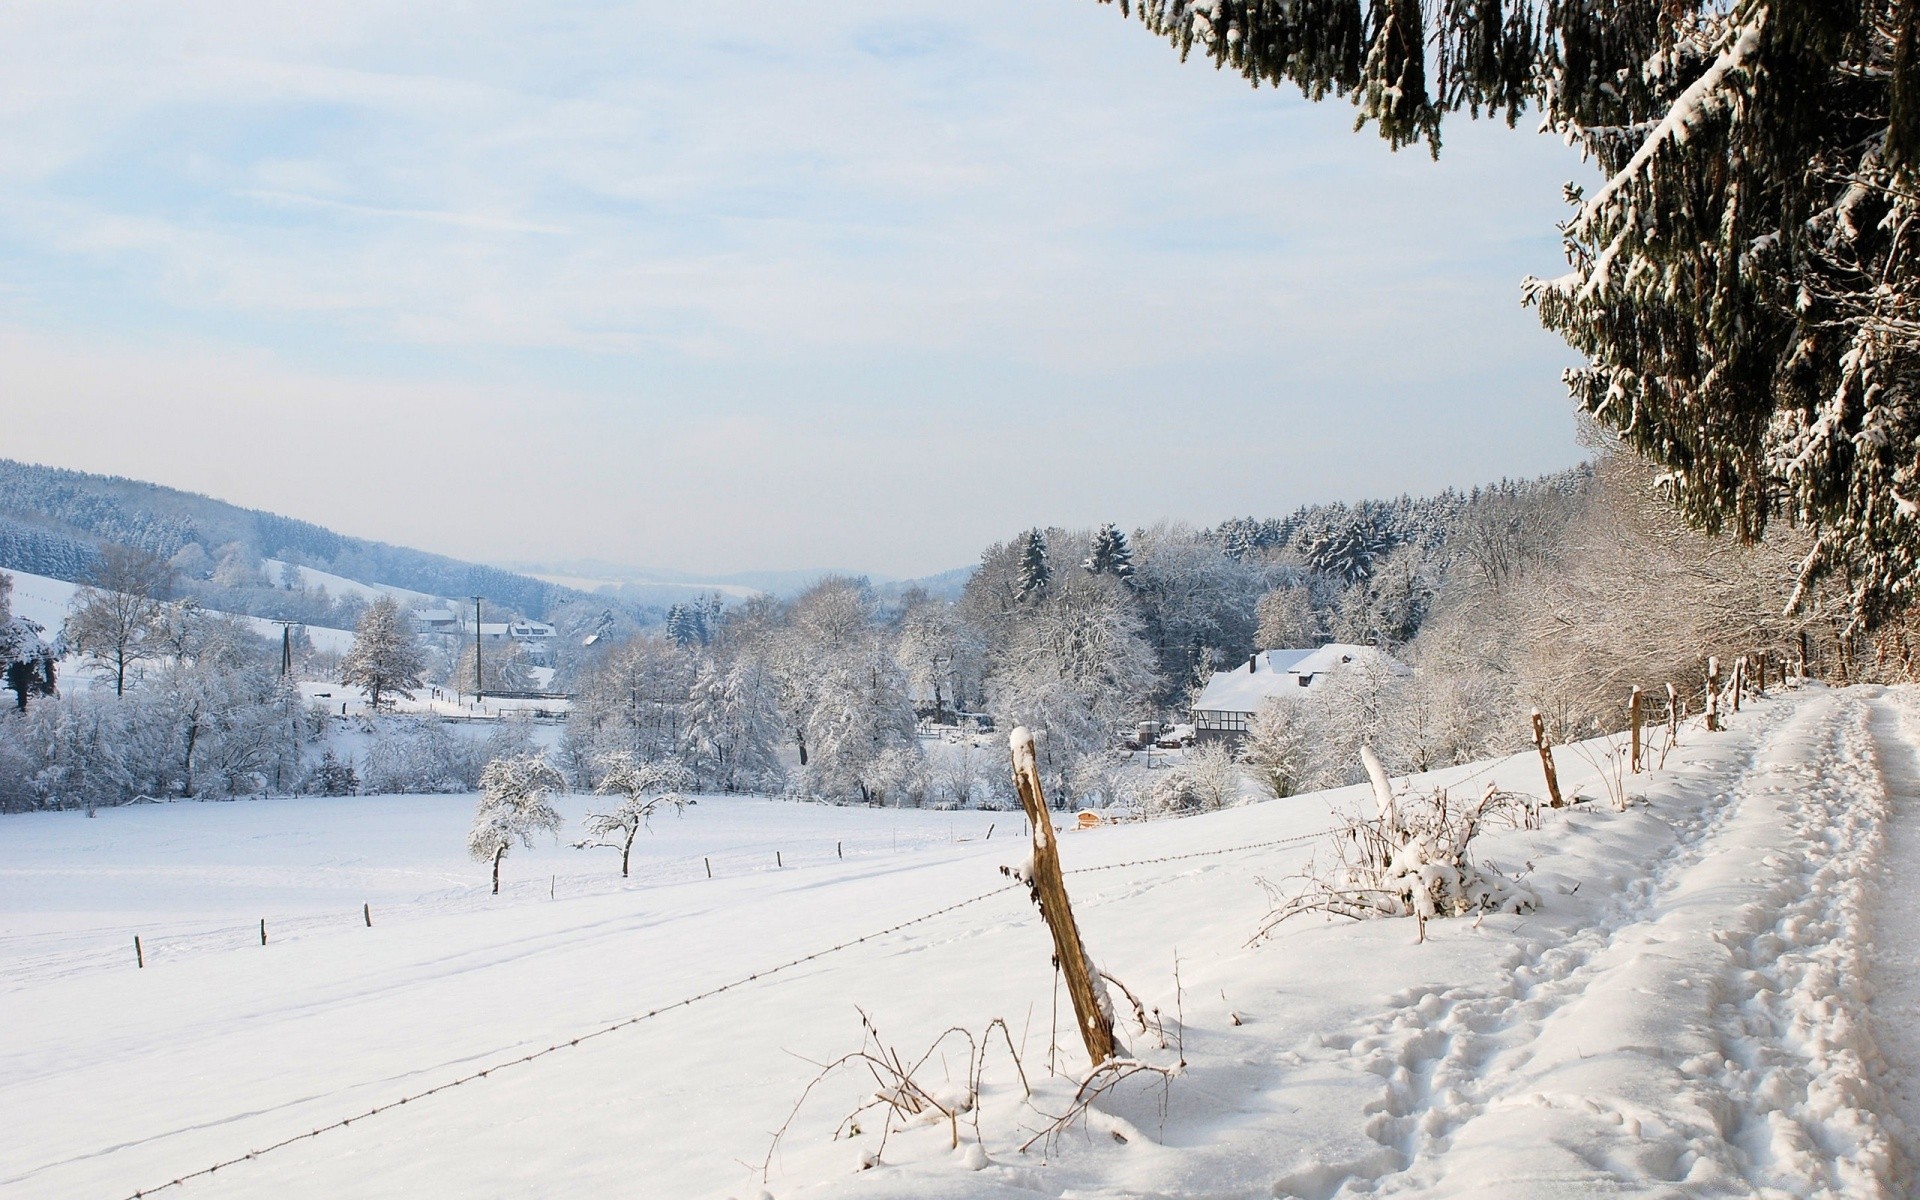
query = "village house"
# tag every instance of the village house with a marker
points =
(1230, 699)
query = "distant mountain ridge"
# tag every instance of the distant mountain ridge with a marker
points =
(663, 585)
(54, 520)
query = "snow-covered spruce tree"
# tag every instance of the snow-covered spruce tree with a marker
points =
(514, 806)
(1036, 572)
(26, 660)
(385, 658)
(641, 789)
(1743, 284)
(1111, 555)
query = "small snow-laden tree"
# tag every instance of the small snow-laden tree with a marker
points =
(1205, 781)
(1076, 669)
(940, 652)
(1107, 777)
(860, 713)
(503, 668)
(640, 789)
(635, 700)
(1349, 711)
(1195, 604)
(112, 619)
(1440, 718)
(734, 728)
(515, 804)
(1288, 620)
(1278, 751)
(898, 776)
(75, 748)
(191, 635)
(385, 658)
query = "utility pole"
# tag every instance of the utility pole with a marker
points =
(286, 648)
(477, 677)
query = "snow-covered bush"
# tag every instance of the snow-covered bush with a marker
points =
(514, 806)
(1206, 781)
(1107, 778)
(1412, 857)
(332, 777)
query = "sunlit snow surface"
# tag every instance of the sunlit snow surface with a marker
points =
(1688, 1015)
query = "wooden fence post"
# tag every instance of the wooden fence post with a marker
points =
(1713, 694)
(1049, 892)
(1739, 680)
(1673, 720)
(139, 955)
(263, 931)
(366, 910)
(1546, 761)
(1633, 719)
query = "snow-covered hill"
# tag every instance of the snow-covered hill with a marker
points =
(48, 601)
(1716, 997)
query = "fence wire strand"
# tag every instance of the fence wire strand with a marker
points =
(486, 1072)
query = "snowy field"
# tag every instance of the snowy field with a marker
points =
(1718, 997)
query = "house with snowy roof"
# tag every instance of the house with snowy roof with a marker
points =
(1230, 699)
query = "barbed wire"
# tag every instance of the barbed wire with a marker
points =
(651, 1013)
(485, 1072)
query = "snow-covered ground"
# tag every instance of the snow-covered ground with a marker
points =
(1716, 998)
(340, 585)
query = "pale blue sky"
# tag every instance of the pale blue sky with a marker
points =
(756, 285)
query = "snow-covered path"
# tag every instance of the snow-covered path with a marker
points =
(1691, 1013)
(1896, 928)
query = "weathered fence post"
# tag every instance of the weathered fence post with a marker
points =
(366, 910)
(1739, 680)
(1049, 892)
(1633, 719)
(1546, 761)
(263, 931)
(1713, 694)
(1673, 721)
(139, 955)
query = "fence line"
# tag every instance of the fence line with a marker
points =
(678, 1004)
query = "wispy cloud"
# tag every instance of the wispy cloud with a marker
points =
(788, 224)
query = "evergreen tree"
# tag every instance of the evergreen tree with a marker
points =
(1744, 280)
(683, 626)
(1035, 570)
(1111, 555)
(385, 657)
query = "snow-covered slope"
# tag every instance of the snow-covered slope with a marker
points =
(1703, 1006)
(340, 585)
(47, 601)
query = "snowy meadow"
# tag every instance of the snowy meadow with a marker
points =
(1651, 1027)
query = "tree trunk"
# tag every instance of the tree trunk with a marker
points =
(1050, 894)
(497, 856)
(627, 850)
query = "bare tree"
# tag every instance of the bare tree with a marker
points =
(114, 618)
